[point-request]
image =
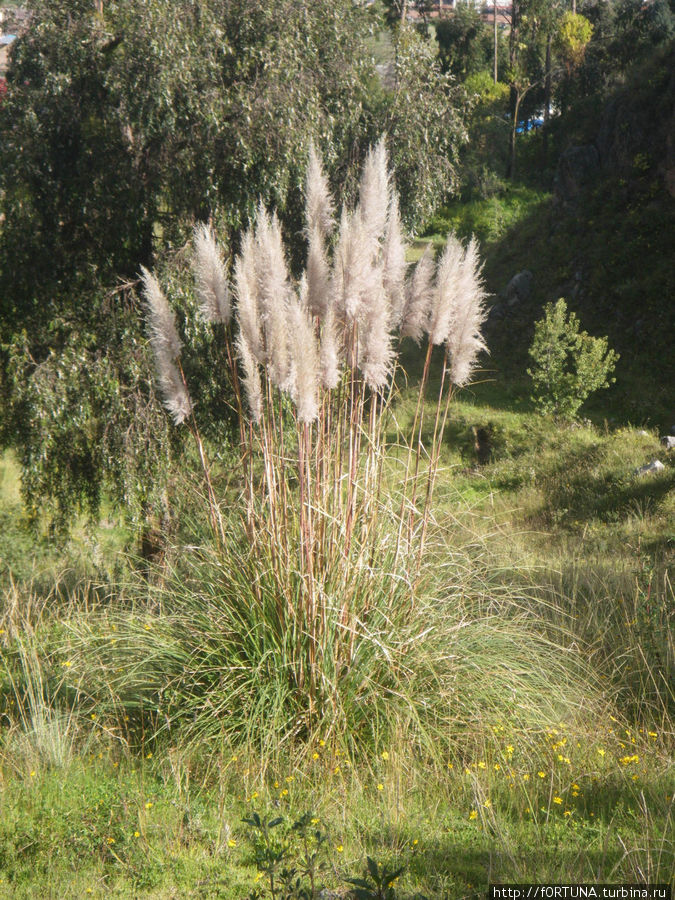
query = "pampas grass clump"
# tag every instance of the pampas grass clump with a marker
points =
(331, 555)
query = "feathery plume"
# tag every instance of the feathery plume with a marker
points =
(465, 340)
(352, 267)
(172, 387)
(273, 291)
(329, 354)
(166, 348)
(210, 278)
(419, 296)
(376, 352)
(305, 363)
(447, 284)
(318, 275)
(251, 377)
(318, 201)
(393, 262)
(246, 290)
(162, 323)
(374, 193)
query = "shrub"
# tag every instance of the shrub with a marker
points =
(568, 365)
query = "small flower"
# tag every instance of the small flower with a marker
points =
(557, 800)
(322, 743)
(384, 755)
(289, 779)
(450, 765)
(284, 793)
(336, 770)
(67, 664)
(541, 774)
(526, 777)
(380, 787)
(482, 765)
(231, 843)
(149, 756)
(315, 821)
(601, 751)
(497, 767)
(33, 773)
(575, 787)
(94, 717)
(652, 734)
(254, 795)
(339, 848)
(567, 812)
(473, 814)
(509, 750)
(111, 840)
(575, 793)
(137, 834)
(415, 842)
(276, 784)
(315, 755)
(148, 805)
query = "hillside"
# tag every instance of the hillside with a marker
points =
(596, 226)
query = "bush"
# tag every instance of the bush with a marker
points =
(568, 365)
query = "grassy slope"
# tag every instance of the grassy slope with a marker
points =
(88, 809)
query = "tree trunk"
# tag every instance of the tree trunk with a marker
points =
(512, 156)
(547, 92)
(494, 17)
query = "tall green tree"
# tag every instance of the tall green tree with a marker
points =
(125, 123)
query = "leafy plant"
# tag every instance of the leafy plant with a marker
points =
(568, 365)
(379, 882)
(290, 858)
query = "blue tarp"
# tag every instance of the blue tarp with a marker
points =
(7, 39)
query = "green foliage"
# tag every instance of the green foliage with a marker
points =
(572, 37)
(568, 365)
(291, 857)
(466, 42)
(379, 883)
(424, 122)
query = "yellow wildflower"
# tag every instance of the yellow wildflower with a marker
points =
(473, 814)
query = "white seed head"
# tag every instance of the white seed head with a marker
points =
(250, 378)
(393, 262)
(210, 278)
(419, 296)
(318, 202)
(447, 286)
(305, 363)
(329, 353)
(161, 320)
(465, 340)
(246, 291)
(374, 193)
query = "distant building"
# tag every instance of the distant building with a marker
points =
(14, 20)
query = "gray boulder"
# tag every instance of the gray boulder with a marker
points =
(519, 288)
(651, 468)
(668, 441)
